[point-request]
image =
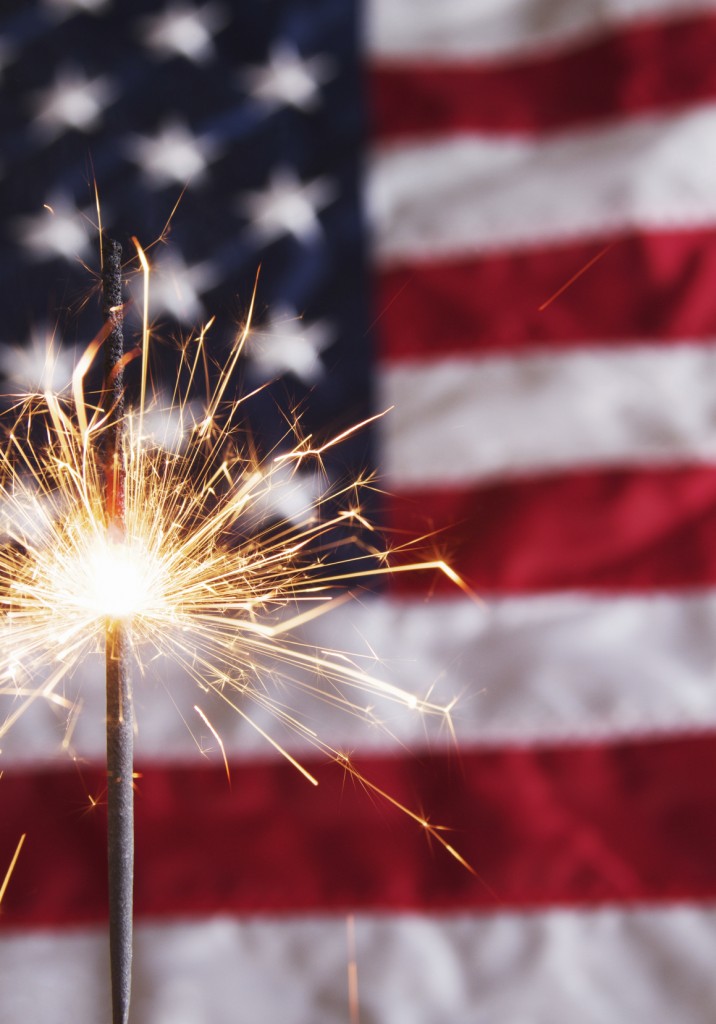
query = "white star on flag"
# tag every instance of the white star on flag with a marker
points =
(27, 518)
(288, 206)
(174, 155)
(68, 8)
(58, 229)
(177, 288)
(288, 79)
(168, 426)
(185, 31)
(285, 494)
(73, 101)
(285, 343)
(40, 365)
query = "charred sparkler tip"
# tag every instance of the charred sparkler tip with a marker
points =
(111, 275)
(113, 308)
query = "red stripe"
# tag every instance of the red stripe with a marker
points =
(554, 825)
(636, 71)
(600, 530)
(656, 286)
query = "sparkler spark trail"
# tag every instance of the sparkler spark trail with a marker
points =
(199, 579)
(11, 867)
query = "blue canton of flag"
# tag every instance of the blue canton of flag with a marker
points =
(248, 120)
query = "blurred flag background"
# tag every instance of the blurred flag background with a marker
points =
(498, 217)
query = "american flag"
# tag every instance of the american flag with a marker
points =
(497, 217)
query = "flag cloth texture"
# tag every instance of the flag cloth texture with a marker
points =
(497, 219)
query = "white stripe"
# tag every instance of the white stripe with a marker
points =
(504, 29)
(524, 670)
(605, 966)
(468, 194)
(457, 421)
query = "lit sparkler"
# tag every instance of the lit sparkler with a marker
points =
(181, 571)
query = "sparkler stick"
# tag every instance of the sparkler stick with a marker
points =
(120, 719)
(353, 1004)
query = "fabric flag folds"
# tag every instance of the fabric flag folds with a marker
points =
(499, 221)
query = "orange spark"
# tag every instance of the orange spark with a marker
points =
(575, 277)
(11, 868)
